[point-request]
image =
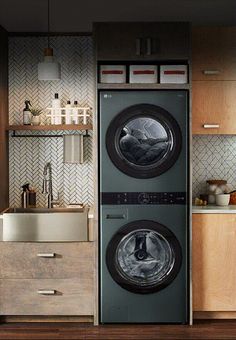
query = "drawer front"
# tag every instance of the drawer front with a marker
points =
(47, 297)
(22, 260)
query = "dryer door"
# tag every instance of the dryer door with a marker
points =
(143, 141)
(144, 257)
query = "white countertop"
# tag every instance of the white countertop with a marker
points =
(214, 209)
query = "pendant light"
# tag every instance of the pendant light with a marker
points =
(49, 69)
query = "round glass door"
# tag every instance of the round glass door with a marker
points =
(143, 141)
(144, 257)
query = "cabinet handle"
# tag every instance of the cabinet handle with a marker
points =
(211, 72)
(211, 126)
(46, 255)
(115, 216)
(46, 292)
(148, 46)
(138, 46)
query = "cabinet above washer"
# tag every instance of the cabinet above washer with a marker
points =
(142, 41)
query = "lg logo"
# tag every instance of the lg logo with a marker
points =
(107, 96)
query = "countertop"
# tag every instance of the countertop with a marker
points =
(214, 209)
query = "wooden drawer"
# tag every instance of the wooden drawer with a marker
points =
(20, 260)
(72, 297)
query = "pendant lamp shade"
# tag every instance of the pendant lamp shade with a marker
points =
(49, 69)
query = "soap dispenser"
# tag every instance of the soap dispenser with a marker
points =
(56, 116)
(25, 195)
(27, 113)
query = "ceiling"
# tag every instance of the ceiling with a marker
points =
(78, 15)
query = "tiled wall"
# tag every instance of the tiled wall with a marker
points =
(214, 157)
(29, 155)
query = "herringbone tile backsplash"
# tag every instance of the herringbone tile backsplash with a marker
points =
(214, 157)
(74, 182)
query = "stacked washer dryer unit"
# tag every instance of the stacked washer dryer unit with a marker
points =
(144, 217)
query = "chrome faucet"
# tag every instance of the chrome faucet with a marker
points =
(47, 184)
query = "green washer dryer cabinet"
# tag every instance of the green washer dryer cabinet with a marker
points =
(144, 214)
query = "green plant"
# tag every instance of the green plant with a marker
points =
(36, 112)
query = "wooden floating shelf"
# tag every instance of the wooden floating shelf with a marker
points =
(144, 86)
(49, 127)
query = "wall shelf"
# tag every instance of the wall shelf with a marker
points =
(127, 86)
(69, 127)
(49, 127)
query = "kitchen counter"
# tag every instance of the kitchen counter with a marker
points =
(214, 209)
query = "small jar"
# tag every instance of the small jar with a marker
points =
(215, 187)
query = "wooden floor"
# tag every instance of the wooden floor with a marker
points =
(201, 330)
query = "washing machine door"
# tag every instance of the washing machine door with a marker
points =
(143, 141)
(144, 256)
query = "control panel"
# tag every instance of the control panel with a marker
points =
(143, 198)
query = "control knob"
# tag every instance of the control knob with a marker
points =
(143, 198)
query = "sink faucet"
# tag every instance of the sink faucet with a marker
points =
(47, 184)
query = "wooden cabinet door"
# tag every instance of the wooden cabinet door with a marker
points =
(214, 104)
(214, 53)
(214, 262)
(142, 41)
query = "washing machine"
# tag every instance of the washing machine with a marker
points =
(144, 212)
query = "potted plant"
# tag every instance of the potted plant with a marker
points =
(36, 119)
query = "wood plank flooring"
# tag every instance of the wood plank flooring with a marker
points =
(214, 330)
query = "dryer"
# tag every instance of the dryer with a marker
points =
(143, 140)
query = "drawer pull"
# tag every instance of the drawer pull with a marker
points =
(46, 292)
(46, 255)
(211, 126)
(211, 72)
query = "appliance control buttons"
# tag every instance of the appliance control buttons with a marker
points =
(143, 198)
(158, 198)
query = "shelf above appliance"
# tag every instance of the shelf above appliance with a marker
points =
(143, 86)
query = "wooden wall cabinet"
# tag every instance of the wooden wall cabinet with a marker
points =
(213, 80)
(142, 41)
(214, 269)
(214, 107)
(214, 53)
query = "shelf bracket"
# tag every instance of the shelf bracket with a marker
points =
(86, 134)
